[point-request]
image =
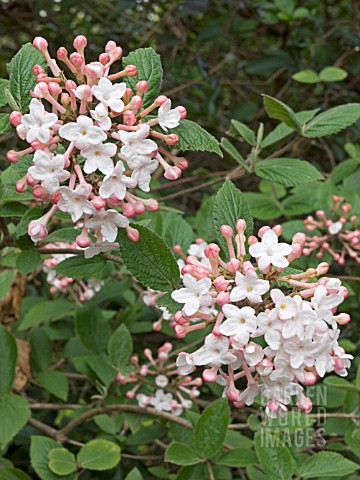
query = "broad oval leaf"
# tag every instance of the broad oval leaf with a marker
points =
(28, 261)
(99, 455)
(287, 171)
(280, 111)
(8, 358)
(181, 454)
(61, 461)
(327, 464)
(80, 267)
(39, 451)
(14, 413)
(332, 74)
(332, 121)
(306, 76)
(274, 457)
(194, 138)
(120, 347)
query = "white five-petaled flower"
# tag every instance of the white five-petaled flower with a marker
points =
(98, 157)
(286, 307)
(195, 294)
(270, 252)
(49, 170)
(214, 352)
(143, 166)
(108, 221)
(162, 400)
(248, 286)
(168, 118)
(335, 227)
(240, 322)
(101, 115)
(301, 351)
(100, 247)
(38, 122)
(136, 143)
(109, 94)
(184, 363)
(116, 183)
(75, 202)
(83, 132)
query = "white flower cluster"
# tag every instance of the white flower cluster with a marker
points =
(272, 330)
(95, 144)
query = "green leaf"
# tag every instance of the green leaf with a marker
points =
(169, 303)
(134, 474)
(28, 261)
(61, 461)
(47, 311)
(93, 329)
(332, 74)
(178, 232)
(281, 111)
(344, 169)
(39, 451)
(149, 67)
(8, 359)
(211, 428)
(339, 382)
(120, 347)
(31, 214)
(181, 454)
(22, 78)
(150, 260)
(41, 349)
(327, 464)
(244, 131)
(63, 235)
(287, 171)
(275, 458)
(80, 267)
(6, 280)
(102, 369)
(5, 125)
(14, 413)
(4, 83)
(99, 455)
(306, 76)
(282, 130)
(238, 457)
(195, 138)
(332, 121)
(234, 153)
(13, 209)
(13, 474)
(262, 206)
(54, 382)
(230, 206)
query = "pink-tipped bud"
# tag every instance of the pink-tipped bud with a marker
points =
(320, 213)
(234, 264)
(128, 210)
(226, 231)
(152, 205)
(12, 156)
(41, 89)
(131, 70)
(15, 118)
(104, 58)
(221, 284)
(110, 46)
(30, 180)
(40, 44)
(65, 99)
(212, 250)
(322, 268)
(223, 298)
(136, 102)
(62, 53)
(182, 163)
(80, 42)
(77, 60)
(304, 403)
(180, 331)
(128, 94)
(70, 85)
(277, 229)
(233, 394)
(21, 185)
(129, 118)
(83, 240)
(160, 100)
(132, 234)
(338, 364)
(142, 87)
(299, 238)
(40, 193)
(210, 375)
(247, 266)
(55, 197)
(98, 202)
(139, 208)
(343, 319)
(240, 225)
(252, 240)
(182, 111)
(310, 378)
(263, 230)
(172, 139)
(38, 70)
(54, 89)
(172, 173)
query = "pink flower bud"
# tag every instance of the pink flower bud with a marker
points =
(30, 180)
(234, 264)
(54, 89)
(233, 394)
(21, 185)
(304, 403)
(110, 46)
(263, 230)
(226, 231)
(15, 118)
(83, 240)
(172, 139)
(180, 331)
(210, 375)
(142, 87)
(131, 70)
(40, 44)
(98, 202)
(132, 234)
(104, 58)
(152, 205)
(128, 210)
(139, 208)
(38, 70)
(342, 318)
(129, 118)
(182, 111)
(247, 266)
(172, 173)
(55, 197)
(65, 99)
(223, 298)
(136, 102)
(252, 240)
(221, 284)
(40, 193)
(187, 269)
(182, 163)
(299, 238)
(12, 156)
(62, 53)
(240, 226)
(77, 60)
(320, 213)
(128, 94)
(42, 77)
(212, 250)
(310, 378)
(80, 42)
(160, 100)
(322, 268)
(70, 85)
(277, 229)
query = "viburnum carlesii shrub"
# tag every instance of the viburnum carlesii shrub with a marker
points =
(78, 289)
(157, 382)
(268, 329)
(337, 234)
(93, 140)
